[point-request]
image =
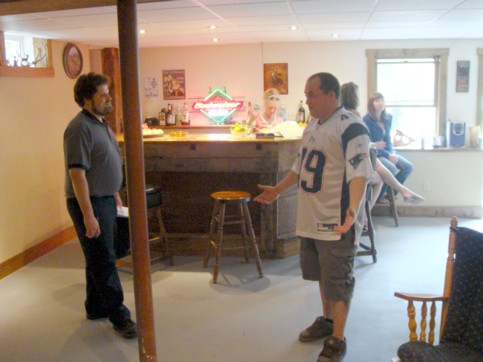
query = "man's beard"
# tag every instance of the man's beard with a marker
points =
(104, 110)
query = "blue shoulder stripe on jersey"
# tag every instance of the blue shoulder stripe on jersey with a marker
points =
(353, 131)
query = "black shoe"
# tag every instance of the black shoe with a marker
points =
(321, 328)
(127, 329)
(94, 317)
(333, 351)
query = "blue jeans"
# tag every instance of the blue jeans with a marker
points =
(401, 171)
(105, 296)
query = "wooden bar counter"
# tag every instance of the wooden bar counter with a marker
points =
(191, 167)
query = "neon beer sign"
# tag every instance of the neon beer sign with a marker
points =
(217, 106)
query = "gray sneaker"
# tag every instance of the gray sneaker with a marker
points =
(333, 351)
(321, 328)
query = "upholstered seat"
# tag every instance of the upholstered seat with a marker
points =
(461, 336)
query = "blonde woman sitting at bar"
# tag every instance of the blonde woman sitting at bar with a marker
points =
(350, 101)
(268, 118)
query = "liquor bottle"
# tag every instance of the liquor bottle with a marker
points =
(301, 113)
(185, 120)
(162, 117)
(170, 116)
(178, 116)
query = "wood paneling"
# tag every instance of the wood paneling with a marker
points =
(36, 6)
(111, 68)
(190, 171)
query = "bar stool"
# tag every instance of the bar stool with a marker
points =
(368, 250)
(391, 205)
(158, 239)
(219, 220)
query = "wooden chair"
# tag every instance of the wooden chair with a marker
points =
(461, 334)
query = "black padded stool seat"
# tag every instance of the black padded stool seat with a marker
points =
(153, 196)
(218, 220)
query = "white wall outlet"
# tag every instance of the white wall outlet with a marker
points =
(426, 186)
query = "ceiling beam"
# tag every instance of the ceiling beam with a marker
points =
(12, 7)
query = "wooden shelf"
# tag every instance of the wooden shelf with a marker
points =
(26, 72)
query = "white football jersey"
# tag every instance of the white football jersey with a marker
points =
(331, 154)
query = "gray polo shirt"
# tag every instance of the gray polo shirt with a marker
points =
(92, 146)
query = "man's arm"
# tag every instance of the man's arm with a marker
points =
(81, 190)
(357, 189)
(270, 193)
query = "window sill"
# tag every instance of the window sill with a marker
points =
(26, 72)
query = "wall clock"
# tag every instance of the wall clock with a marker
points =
(72, 59)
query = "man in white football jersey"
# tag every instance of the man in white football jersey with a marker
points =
(331, 172)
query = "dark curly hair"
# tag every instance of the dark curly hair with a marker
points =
(348, 96)
(86, 86)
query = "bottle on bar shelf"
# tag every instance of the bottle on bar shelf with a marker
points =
(185, 120)
(170, 116)
(178, 116)
(162, 117)
(301, 114)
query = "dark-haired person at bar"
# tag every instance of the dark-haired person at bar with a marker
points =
(93, 165)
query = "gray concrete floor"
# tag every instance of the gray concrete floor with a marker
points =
(243, 318)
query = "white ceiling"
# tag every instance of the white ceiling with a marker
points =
(186, 22)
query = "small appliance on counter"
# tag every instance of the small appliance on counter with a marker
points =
(455, 133)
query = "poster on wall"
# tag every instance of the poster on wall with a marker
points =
(174, 85)
(151, 87)
(275, 75)
(462, 75)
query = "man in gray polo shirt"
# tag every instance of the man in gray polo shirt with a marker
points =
(93, 166)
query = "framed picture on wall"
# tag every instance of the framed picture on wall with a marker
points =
(174, 84)
(275, 75)
(462, 75)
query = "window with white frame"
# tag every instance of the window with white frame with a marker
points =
(25, 51)
(413, 82)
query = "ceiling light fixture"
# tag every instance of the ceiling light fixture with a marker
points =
(142, 31)
(215, 40)
(293, 27)
(212, 27)
(335, 35)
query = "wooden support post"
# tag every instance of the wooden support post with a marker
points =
(127, 26)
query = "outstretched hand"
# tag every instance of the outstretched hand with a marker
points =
(268, 195)
(350, 217)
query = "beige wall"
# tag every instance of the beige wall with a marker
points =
(35, 112)
(239, 68)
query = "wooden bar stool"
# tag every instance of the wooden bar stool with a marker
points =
(158, 240)
(219, 220)
(391, 205)
(368, 249)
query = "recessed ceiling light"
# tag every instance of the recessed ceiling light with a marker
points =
(212, 27)
(335, 35)
(142, 31)
(293, 27)
(215, 40)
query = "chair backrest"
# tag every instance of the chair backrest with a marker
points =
(464, 319)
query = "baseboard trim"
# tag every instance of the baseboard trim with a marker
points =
(15, 263)
(471, 212)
